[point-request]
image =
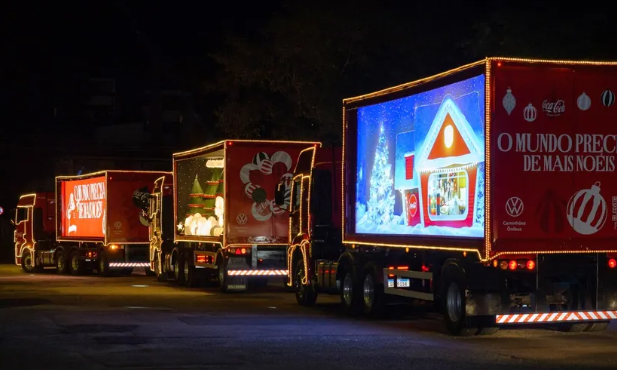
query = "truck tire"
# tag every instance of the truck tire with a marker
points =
(573, 328)
(351, 292)
(305, 293)
(159, 265)
(453, 301)
(76, 264)
(372, 292)
(222, 273)
(62, 268)
(103, 265)
(28, 262)
(190, 275)
(179, 268)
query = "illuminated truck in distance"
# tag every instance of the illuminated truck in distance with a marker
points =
(97, 224)
(222, 225)
(489, 189)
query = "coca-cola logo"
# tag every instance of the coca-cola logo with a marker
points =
(554, 108)
(413, 205)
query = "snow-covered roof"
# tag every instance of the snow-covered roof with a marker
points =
(448, 106)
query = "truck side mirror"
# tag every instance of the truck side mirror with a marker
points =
(279, 194)
(12, 222)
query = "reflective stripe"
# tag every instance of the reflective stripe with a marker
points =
(129, 264)
(556, 317)
(257, 272)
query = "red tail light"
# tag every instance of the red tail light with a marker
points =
(201, 259)
(513, 265)
(612, 263)
(531, 265)
(238, 251)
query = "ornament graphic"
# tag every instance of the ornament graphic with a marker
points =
(587, 211)
(583, 101)
(550, 213)
(509, 102)
(258, 174)
(608, 98)
(530, 113)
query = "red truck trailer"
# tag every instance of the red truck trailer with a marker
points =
(226, 227)
(489, 189)
(92, 222)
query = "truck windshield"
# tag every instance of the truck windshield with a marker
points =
(21, 214)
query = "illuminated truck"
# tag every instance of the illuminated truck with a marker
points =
(226, 226)
(489, 189)
(92, 222)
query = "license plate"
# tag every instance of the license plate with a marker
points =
(236, 287)
(390, 283)
(402, 283)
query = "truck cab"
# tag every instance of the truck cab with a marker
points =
(160, 215)
(315, 223)
(35, 233)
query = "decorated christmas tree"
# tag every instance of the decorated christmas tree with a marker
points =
(196, 203)
(381, 198)
(210, 192)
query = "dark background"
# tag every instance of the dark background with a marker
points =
(91, 85)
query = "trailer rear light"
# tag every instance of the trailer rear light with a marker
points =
(243, 250)
(113, 247)
(531, 265)
(612, 263)
(503, 265)
(513, 265)
(403, 268)
(201, 259)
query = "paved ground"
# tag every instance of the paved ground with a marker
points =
(60, 322)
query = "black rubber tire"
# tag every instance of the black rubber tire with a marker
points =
(62, 267)
(149, 272)
(351, 292)
(221, 265)
(159, 265)
(76, 263)
(488, 330)
(305, 293)
(573, 328)
(453, 301)
(597, 326)
(28, 263)
(178, 268)
(191, 279)
(373, 294)
(103, 264)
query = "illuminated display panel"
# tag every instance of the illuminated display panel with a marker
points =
(84, 208)
(420, 163)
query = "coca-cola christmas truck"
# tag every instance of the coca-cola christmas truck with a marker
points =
(35, 233)
(100, 224)
(489, 189)
(227, 226)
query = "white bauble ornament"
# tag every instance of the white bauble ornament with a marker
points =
(608, 98)
(246, 171)
(509, 102)
(266, 166)
(587, 218)
(249, 188)
(260, 157)
(261, 212)
(530, 113)
(282, 157)
(583, 101)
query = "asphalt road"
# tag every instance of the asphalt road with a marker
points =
(60, 322)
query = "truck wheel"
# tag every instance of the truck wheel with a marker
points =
(103, 264)
(76, 264)
(190, 275)
(222, 273)
(305, 293)
(597, 326)
(573, 328)
(28, 262)
(61, 265)
(453, 301)
(161, 274)
(179, 269)
(373, 293)
(351, 293)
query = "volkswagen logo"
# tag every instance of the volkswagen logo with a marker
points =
(241, 219)
(118, 225)
(514, 206)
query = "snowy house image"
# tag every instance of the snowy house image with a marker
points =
(448, 166)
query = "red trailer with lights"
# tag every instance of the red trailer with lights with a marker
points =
(489, 189)
(92, 222)
(226, 226)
